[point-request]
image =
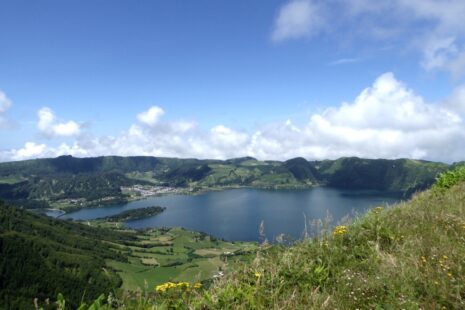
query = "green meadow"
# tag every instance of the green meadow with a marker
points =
(176, 254)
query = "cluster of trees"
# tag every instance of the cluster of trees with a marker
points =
(135, 214)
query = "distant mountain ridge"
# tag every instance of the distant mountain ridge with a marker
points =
(96, 178)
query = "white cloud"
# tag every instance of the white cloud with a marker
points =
(223, 137)
(457, 65)
(386, 120)
(443, 47)
(46, 119)
(30, 150)
(456, 102)
(437, 52)
(447, 14)
(5, 104)
(50, 128)
(297, 19)
(388, 104)
(344, 61)
(442, 53)
(151, 116)
(433, 28)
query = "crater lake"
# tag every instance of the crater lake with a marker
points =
(236, 214)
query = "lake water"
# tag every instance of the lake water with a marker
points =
(236, 214)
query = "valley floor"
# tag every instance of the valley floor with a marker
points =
(176, 254)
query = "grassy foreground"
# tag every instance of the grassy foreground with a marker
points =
(410, 256)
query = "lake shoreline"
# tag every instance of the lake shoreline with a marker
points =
(191, 192)
(236, 214)
(187, 192)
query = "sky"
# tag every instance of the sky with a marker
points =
(221, 79)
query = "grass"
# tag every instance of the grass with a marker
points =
(175, 255)
(11, 179)
(409, 256)
(142, 176)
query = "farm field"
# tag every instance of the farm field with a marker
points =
(177, 254)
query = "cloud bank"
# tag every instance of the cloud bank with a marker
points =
(386, 120)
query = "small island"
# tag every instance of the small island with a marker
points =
(135, 214)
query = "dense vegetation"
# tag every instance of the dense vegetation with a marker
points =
(40, 257)
(410, 256)
(92, 188)
(41, 182)
(400, 175)
(302, 170)
(135, 214)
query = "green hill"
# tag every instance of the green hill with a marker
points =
(38, 183)
(303, 170)
(74, 165)
(400, 175)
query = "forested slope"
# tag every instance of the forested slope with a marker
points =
(40, 257)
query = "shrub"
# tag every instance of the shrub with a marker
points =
(450, 178)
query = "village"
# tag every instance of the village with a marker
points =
(143, 191)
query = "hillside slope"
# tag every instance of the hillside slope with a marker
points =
(400, 175)
(40, 257)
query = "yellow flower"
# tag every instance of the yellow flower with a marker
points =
(161, 288)
(340, 230)
(258, 274)
(198, 285)
(445, 257)
(183, 284)
(169, 285)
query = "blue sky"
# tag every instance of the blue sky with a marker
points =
(231, 78)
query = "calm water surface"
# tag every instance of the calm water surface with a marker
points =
(236, 214)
